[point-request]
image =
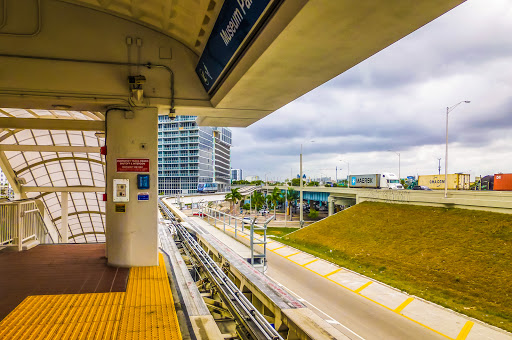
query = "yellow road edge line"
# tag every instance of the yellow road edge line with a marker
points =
(465, 330)
(369, 299)
(403, 305)
(305, 264)
(278, 248)
(358, 290)
(333, 272)
(287, 256)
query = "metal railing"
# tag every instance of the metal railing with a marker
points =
(246, 314)
(21, 222)
(258, 261)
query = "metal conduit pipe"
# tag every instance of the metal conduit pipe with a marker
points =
(241, 308)
(148, 65)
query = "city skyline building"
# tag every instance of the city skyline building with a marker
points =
(3, 178)
(189, 154)
(236, 174)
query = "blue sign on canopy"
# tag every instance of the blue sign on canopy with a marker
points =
(235, 21)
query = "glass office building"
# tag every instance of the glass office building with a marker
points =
(189, 154)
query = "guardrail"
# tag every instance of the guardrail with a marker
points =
(240, 307)
(257, 260)
(21, 223)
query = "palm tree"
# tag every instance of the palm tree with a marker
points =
(292, 196)
(233, 197)
(258, 199)
(274, 197)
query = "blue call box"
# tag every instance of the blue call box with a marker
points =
(142, 181)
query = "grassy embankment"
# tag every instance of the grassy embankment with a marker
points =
(278, 232)
(460, 259)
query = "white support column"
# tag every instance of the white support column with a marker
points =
(64, 216)
(131, 230)
(330, 202)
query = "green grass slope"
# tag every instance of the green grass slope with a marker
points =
(461, 259)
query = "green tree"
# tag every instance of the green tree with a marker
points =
(296, 182)
(275, 196)
(312, 184)
(233, 197)
(257, 199)
(292, 196)
(268, 200)
(313, 214)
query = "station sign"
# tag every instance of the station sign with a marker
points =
(132, 164)
(235, 21)
(143, 196)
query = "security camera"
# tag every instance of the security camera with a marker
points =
(172, 115)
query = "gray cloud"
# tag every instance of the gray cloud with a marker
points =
(396, 100)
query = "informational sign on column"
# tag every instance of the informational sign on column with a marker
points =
(143, 196)
(132, 164)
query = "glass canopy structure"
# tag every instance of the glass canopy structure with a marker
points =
(41, 163)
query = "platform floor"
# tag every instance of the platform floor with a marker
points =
(56, 269)
(145, 311)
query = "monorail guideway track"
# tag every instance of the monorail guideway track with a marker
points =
(251, 323)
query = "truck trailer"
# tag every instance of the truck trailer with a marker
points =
(502, 182)
(385, 180)
(436, 182)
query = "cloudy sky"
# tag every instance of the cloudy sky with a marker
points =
(396, 100)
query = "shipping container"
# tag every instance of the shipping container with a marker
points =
(436, 182)
(365, 181)
(503, 182)
(385, 180)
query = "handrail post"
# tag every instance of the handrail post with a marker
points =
(20, 227)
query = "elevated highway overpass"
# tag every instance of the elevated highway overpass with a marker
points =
(496, 201)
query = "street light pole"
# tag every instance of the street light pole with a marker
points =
(448, 110)
(301, 189)
(301, 193)
(348, 172)
(398, 154)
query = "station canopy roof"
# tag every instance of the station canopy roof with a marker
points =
(41, 171)
(189, 21)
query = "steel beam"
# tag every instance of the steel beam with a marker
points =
(51, 124)
(62, 189)
(49, 148)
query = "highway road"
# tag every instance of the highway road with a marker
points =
(352, 314)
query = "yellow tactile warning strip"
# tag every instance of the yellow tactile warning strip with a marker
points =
(71, 316)
(148, 312)
(145, 311)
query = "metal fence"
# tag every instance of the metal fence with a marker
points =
(21, 222)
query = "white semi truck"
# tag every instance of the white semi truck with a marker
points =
(385, 180)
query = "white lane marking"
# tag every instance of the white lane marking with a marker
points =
(331, 320)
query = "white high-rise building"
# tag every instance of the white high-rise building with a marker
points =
(3, 178)
(189, 154)
(236, 174)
